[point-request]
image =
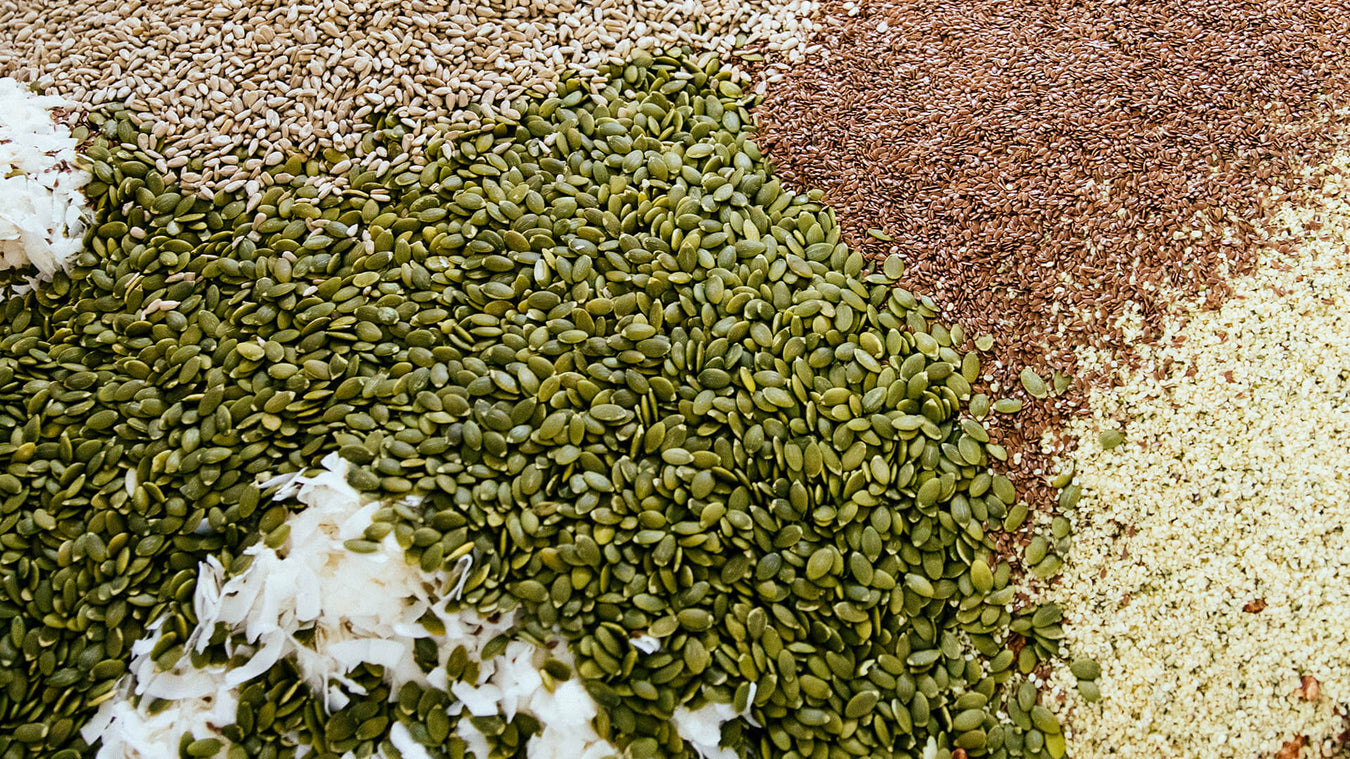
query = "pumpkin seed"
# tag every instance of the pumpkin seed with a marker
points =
(1033, 384)
(1085, 669)
(1090, 691)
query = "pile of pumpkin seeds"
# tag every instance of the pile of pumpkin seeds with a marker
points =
(634, 377)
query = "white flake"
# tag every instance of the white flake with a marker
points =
(43, 211)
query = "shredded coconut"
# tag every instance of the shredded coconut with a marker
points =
(703, 729)
(1210, 573)
(42, 208)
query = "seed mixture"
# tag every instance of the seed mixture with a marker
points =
(464, 381)
(597, 367)
(240, 86)
(1211, 565)
(1046, 167)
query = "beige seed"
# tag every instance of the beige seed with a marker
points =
(226, 85)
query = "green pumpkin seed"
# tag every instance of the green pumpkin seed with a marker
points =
(1085, 669)
(1033, 384)
(1090, 691)
(1111, 438)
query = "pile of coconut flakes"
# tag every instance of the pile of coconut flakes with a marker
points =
(42, 207)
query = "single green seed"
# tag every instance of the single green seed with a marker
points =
(1085, 669)
(1090, 691)
(1033, 384)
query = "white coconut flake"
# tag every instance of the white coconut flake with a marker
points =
(703, 729)
(646, 644)
(474, 741)
(308, 584)
(566, 716)
(42, 208)
(364, 609)
(403, 741)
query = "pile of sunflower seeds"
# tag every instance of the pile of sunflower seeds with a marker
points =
(643, 385)
(240, 85)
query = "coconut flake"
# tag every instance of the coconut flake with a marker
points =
(306, 584)
(403, 741)
(43, 211)
(565, 716)
(646, 644)
(474, 741)
(703, 728)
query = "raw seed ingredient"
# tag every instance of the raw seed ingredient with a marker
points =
(1046, 167)
(42, 210)
(239, 86)
(1211, 569)
(664, 411)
